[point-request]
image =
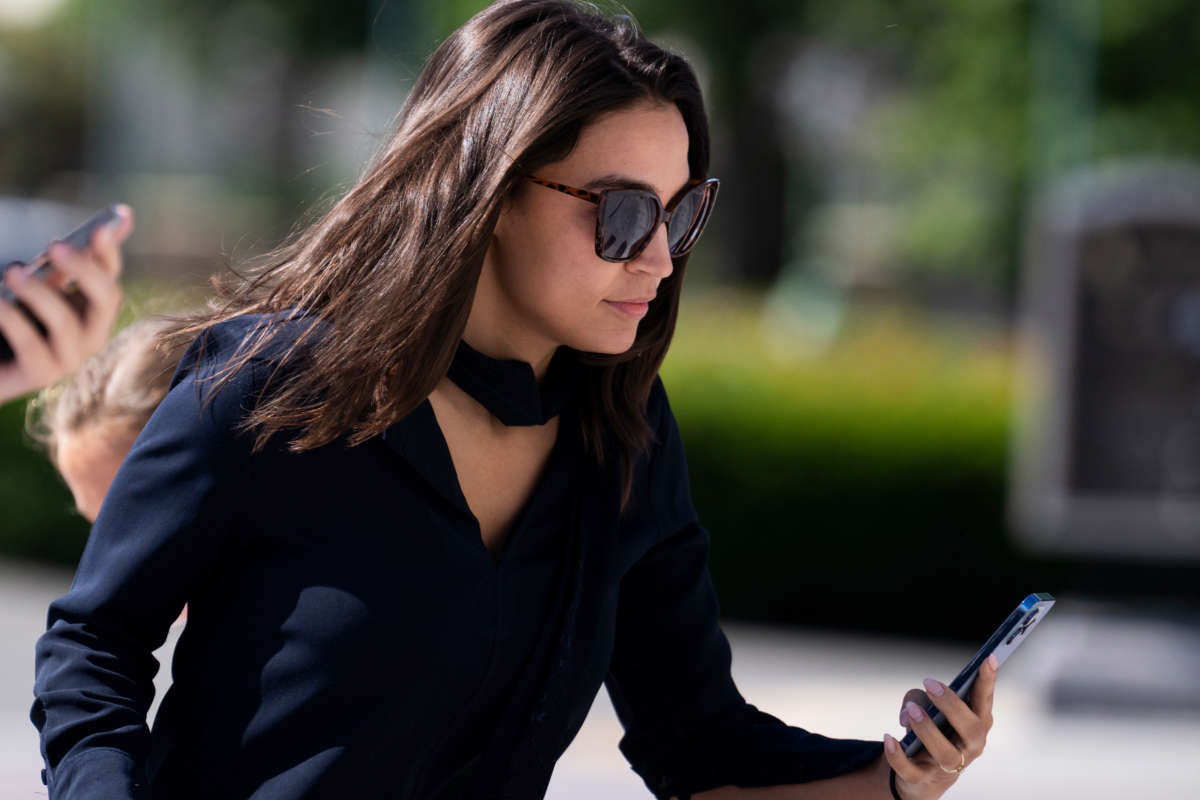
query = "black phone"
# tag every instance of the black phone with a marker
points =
(1008, 637)
(41, 268)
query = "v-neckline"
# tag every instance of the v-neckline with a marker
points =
(501, 557)
(418, 439)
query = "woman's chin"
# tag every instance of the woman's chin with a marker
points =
(612, 345)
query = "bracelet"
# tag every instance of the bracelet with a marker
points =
(892, 785)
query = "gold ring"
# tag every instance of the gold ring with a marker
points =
(962, 764)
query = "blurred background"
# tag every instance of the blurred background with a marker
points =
(939, 347)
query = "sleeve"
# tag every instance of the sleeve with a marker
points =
(687, 728)
(161, 528)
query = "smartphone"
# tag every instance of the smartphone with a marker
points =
(41, 268)
(1008, 636)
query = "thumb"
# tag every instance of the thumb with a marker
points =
(123, 228)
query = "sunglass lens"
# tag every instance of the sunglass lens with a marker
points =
(683, 229)
(626, 218)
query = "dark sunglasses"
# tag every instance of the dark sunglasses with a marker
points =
(626, 219)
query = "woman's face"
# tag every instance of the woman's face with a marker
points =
(542, 284)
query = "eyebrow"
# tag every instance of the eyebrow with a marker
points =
(615, 180)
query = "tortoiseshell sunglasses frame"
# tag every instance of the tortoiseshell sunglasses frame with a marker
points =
(663, 214)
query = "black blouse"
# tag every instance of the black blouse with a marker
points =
(522, 579)
(348, 632)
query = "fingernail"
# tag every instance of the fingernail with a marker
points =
(935, 688)
(994, 660)
(15, 276)
(903, 719)
(889, 743)
(914, 711)
(124, 212)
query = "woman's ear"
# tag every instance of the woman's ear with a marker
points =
(507, 200)
(502, 216)
(499, 231)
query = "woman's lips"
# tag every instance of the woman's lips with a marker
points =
(630, 309)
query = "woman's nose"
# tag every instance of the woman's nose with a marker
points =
(656, 258)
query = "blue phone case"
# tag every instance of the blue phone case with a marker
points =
(1007, 637)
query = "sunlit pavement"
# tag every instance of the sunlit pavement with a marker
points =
(838, 685)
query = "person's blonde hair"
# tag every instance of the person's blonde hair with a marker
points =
(114, 392)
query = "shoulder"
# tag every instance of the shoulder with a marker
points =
(218, 345)
(667, 480)
(666, 447)
(211, 373)
(658, 407)
(663, 431)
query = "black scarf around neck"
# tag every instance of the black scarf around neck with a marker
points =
(509, 389)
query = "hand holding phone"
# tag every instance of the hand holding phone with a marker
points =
(58, 309)
(955, 717)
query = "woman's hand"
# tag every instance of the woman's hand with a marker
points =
(937, 767)
(70, 340)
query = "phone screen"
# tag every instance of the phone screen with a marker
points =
(1007, 638)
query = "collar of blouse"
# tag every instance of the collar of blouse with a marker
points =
(508, 388)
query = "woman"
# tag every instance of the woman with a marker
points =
(435, 495)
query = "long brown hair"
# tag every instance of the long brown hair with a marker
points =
(393, 265)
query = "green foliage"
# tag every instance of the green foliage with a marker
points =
(833, 486)
(38, 518)
(41, 92)
(957, 130)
